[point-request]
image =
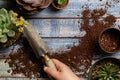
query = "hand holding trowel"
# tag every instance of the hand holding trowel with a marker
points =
(38, 45)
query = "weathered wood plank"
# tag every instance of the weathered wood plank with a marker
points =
(59, 27)
(74, 8)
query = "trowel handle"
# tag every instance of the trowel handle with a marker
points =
(49, 62)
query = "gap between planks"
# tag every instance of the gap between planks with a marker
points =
(29, 17)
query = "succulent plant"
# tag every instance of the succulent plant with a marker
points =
(60, 2)
(108, 72)
(32, 6)
(10, 24)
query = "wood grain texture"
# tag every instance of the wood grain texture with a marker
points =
(74, 8)
(59, 29)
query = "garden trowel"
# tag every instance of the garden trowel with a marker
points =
(38, 45)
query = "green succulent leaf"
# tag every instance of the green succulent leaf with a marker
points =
(108, 72)
(113, 79)
(60, 2)
(101, 79)
(108, 79)
(11, 33)
(5, 30)
(5, 19)
(0, 31)
(2, 19)
(3, 39)
(1, 36)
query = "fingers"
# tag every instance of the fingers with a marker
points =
(51, 72)
(59, 65)
(55, 74)
(63, 72)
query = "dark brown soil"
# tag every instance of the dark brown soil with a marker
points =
(23, 61)
(110, 40)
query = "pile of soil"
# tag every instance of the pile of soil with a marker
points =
(79, 58)
(23, 61)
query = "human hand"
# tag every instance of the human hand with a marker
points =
(63, 71)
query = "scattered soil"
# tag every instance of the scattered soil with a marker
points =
(23, 61)
(79, 58)
(111, 3)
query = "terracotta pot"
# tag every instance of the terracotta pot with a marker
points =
(109, 40)
(60, 7)
(100, 63)
(33, 6)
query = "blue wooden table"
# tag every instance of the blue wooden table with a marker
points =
(60, 28)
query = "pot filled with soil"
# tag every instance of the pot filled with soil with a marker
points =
(109, 40)
(105, 69)
(60, 4)
(11, 27)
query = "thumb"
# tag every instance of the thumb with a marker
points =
(51, 72)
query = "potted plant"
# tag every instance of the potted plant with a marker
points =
(31, 6)
(60, 4)
(105, 69)
(11, 27)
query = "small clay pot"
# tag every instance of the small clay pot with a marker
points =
(60, 7)
(95, 68)
(109, 40)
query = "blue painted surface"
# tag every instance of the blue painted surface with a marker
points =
(59, 28)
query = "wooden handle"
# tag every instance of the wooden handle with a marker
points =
(38, 46)
(49, 62)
